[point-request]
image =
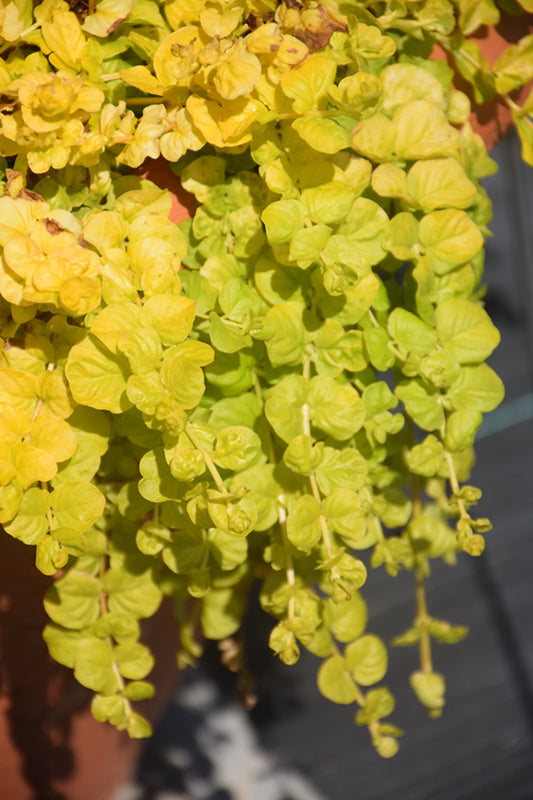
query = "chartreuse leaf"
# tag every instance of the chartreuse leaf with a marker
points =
(63, 644)
(77, 505)
(477, 388)
(422, 403)
(183, 379)
(283, 219)
(329, 203)
(303, 523)
(334, 681)
(367, 659)
(336, 409)
(93, 667)
(307, 85)
(410, 332)
(345, 513)
(345, 468)
(31, 522)
(324, 135)
(465, 330)
(135, 595)
(307, 244)
(284, 333)
(283, 406)
(170, 316)
(426, 458)
(225, 337)
(221, 613)
(461, 428)
(347, 621)
(449, 238)
(379, 703)
(429, 688)
(96, 377)
(440, 183)
(236, 516)
(134, 660)
(236, 448)
(73, 600)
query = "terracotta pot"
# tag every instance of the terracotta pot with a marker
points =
(51, 748)
(493, 120)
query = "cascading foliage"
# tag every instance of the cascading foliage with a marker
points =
(285, 389)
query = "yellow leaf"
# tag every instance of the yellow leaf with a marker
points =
(53, 435)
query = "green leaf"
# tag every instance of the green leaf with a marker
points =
(136, 595)
(229, 551)
(138, 727)
(329, 203)
(307, 84)
(423, 131)
(303, 523)
(225, 337)
(76, 504)
(93, 667)
(264, 490)
(134, 660)
(284, 333)
(401, 236)
(324, 135)
(307, 244)
(73, 600)
(50, 556)
(234, 516)
(344, 512)
(466, 330)
(334, 408)
(410, 332)
(450, 238)
(426, 458)
(446, 633)
(302, 456)
(10, 501)
(283, 219)
(376, 342)
(422, 404)
(63, 644)
(347, 621)
(476, 389)
(514, 68)
(283, 406)
(30, 523)
(113, 322)
(110, 708)
(374, 138)
(236, 448)
(335, 683)
(142, 348)
(429, 688)
(367, 659)
(96, 377)
(440, 183)
(184, 380)
(379, 703)
(138, 690)
(393, 507)
(221, 613)
(461, 429)
(344, 468)
(185, 552)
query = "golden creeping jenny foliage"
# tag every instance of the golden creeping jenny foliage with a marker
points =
(298, 404)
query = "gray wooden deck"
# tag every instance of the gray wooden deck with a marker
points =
(482, 747)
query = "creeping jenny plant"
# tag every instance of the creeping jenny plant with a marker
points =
(285, 389)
